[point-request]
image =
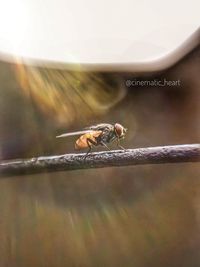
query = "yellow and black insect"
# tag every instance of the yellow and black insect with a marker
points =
(100, 134)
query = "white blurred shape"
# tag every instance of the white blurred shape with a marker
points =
(95, 32)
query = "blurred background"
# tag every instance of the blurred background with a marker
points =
(129, 216)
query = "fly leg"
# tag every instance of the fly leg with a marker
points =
(118, 144)
(90, 147)
(90, 142)
(103, 144)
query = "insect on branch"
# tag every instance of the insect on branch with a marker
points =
(115, 158)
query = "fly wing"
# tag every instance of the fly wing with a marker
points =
(100, 127)
(74, 133)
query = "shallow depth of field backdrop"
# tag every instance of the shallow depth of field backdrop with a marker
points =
(130, 216)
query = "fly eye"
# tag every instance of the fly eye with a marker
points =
(119, 130)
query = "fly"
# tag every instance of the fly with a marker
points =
(98, 135)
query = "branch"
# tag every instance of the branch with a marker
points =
(117, 158)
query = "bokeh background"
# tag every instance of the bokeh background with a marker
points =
(128, 216)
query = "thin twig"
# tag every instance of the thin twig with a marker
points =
(117, 158)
